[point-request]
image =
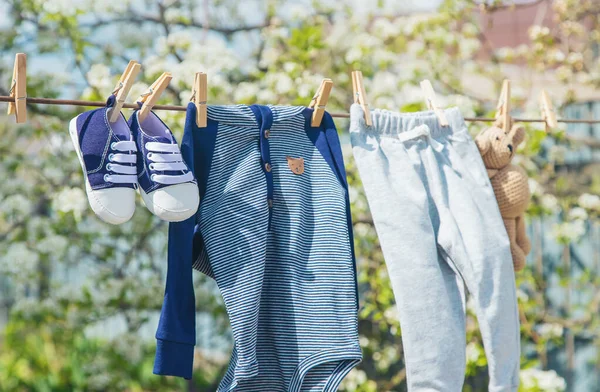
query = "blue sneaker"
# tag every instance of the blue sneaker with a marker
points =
(167, 185)
(107, 153)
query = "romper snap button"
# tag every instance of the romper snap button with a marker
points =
(268, 167)
(270, 203)
(267, 133)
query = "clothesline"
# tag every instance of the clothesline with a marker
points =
(177, 108)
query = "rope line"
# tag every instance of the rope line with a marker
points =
(177, 108)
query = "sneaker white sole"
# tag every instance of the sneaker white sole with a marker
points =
(173, 203)
(112, 205)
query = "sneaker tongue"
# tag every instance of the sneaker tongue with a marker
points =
(122, 138)
(163, 139)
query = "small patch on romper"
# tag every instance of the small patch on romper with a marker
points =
(296, 165)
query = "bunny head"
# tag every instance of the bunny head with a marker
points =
(496, 147)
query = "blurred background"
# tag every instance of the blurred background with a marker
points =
(79, 299)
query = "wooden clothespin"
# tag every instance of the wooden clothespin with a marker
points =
(503, 109)
(548, 113)
(18, 89)
(199, 97)
(319, 101)
(150, 97)
(431, 100)
(360, 97)
(122, 88)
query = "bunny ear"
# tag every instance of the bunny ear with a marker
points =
(483, 142)
(517, 133)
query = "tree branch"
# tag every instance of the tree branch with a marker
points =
(141, 19)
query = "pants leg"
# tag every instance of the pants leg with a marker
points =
(427, 292)
(439, 228)
(473, 236)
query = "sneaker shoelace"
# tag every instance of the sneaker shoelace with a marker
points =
(167, 158)
(122, 163)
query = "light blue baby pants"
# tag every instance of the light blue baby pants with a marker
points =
(440, 230)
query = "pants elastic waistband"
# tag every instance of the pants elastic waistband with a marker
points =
(392, 124)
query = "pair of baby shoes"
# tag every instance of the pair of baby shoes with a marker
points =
(121, 157)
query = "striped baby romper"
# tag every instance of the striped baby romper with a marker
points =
(274, 230)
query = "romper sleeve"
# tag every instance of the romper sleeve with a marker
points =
(176, 333)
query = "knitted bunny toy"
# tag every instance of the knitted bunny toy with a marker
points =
(510, 184)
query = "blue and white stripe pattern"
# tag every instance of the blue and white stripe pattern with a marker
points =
(285, 268)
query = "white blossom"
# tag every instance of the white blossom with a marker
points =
(19, 261)
(564, 73)
(575, 59)
(415, 47)
(522, 295)
(300, 12)
(52, 244)
(412, 22)
(16, 206)
(578, 213)
(365, 40)
(92, 225)
(550, 203)
(304, 89)
(471, 306)
(388, 355)
(363, 341)
(535, 188)
(590, 202)
(569, 231)
(63, 7)
(54, 173)
(550, 330)
(109, 6)
(281, 82)
(70, 200)
(339, 31)
(384, 83)
(544, 380)
(557, 55)
(181, 39)
(266, 95)
(26, 305)
(246, 91)
(557, 153)
(473, 352)
(354, 54)
(537, 32)
(269, 57)
(384, 57)
(98, 379)
(572, 27)
(465, 104)
(99, 76)
(174, 14)
(385, 28)
(469, 46)
(353, 380)
(278, 32)
(129, 346)
(289, 67)
(506, 53)
(156, 65)
(391, 313)
(138, 89)
(470, 29)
